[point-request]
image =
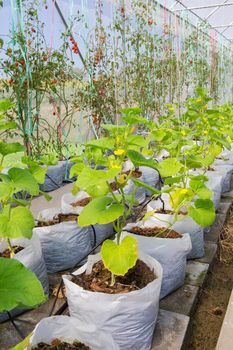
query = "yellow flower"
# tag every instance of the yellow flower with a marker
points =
(198, 99)
(205, 132)
(114, 165)
(183, 132)
(205, 119)
(221, 129)
(119, 152)
(221, 117)
(171, 109)
(121, 179)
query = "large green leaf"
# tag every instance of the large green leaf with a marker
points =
(180, 197)
(136, 140)
(100, 210)
(103, 143)
(94, 182)
(38, 173)
(23, 180)
(138, 160)
(169, 167)
(200, 189)
(120, 258)
(6, 190)
(203, 212)
(19, 287)
(16, 222)
(8, 148)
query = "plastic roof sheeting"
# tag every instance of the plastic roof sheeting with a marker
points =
(218, 13)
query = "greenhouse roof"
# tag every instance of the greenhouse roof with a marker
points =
(218, 13)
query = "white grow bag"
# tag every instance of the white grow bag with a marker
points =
(70, 329)
(226, 170)
(170, 252)
(186, 225)
(129, 317)
(140, 194)
(214, 184)
(64, 244)
(31, 257)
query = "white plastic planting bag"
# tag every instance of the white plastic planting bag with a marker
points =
(214, 184)
(186, 225)
(68, 199)
(54, 177)
(170, 252)
(129, 317)
(31, 257)
(150, 177)
(226, 171)
(140, 193)
(101, 231)
(64, 244)
(69, 329)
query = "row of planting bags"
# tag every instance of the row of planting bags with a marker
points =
(131, 317)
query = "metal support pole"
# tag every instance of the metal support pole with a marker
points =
(67, 27)
(204, 7)
(215, 10)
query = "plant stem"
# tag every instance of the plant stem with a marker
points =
(112, 280)
(10, 248)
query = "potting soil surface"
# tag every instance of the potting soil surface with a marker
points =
(100, 279)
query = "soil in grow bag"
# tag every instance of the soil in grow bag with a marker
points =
(155, 232)
(57, 220)
(59, 345)
(167, 211)
(99, 280)
(136, 173)
(7, 252)
(82, 202)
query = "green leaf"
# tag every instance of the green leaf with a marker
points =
(8, 148)
(18, 222)
(8, 125)
(139, 183)
(76, 169)
(23, 180)
(173, 180)
(100, 210)
(138, 160)
(23, 344)
(103, 143)
(46, 196)
(203, 212)
(136, 140)
(200, 189)
(19, 287)
(6, 190)
(94, 182)
(169, 167)
(120, 258)
(134, 119)
(38, 173)
(180, 197)
(5, 105)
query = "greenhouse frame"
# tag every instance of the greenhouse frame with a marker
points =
(116, 174)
